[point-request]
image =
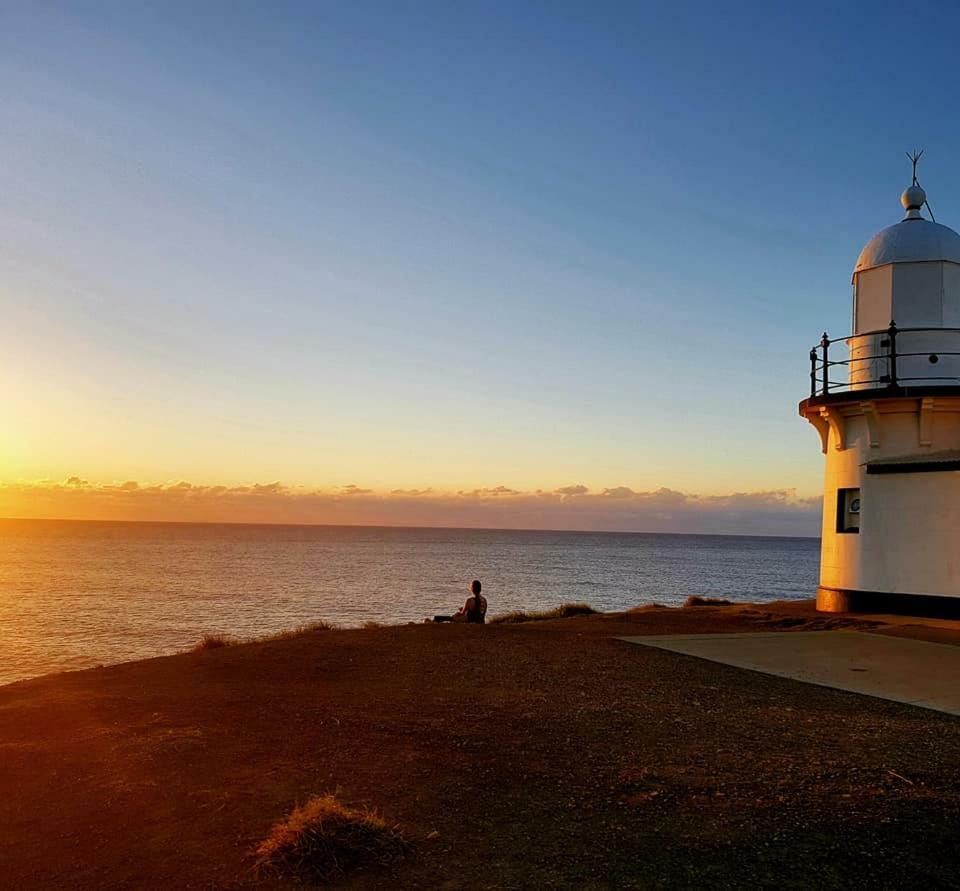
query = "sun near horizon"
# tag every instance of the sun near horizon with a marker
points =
(239, 271)
(348, 353)
(297, 270)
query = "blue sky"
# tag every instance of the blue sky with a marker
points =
(446, 245)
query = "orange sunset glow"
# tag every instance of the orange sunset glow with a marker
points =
(566, 507)
(478, 446)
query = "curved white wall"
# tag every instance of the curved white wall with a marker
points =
(868, 362)
(909, 538)
(915, 295)
(923, 358)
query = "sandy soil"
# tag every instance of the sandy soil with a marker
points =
(547, 754)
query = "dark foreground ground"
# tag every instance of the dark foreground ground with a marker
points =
(546, 754)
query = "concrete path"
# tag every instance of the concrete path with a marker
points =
(895, 668)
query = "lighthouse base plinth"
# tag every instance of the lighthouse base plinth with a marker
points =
(844, 600)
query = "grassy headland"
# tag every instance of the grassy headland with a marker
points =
(533, 753)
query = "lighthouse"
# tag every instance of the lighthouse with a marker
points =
(885, 402)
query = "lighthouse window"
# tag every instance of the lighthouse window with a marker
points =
(848, 510)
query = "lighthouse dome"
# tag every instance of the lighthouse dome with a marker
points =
(910, 273)
(913, 240)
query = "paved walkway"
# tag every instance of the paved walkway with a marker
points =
(912, 671)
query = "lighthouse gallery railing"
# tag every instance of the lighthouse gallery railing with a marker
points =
(880, 361)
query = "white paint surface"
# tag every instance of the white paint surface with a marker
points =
(909, 536)
(909, 539)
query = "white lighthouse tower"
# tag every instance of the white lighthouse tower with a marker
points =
(886, 403)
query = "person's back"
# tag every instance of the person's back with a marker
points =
(476, 607)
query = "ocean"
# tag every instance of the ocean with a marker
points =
(79, 594)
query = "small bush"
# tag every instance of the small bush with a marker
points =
(323, 840)
(566, 611)
(706, 601)
(213, 642)
(373, 626)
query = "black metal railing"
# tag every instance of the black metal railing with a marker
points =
(896, 348)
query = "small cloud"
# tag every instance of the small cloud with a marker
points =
(618, 492)
(130, 486)
(571, 490)
(493, 492)
(665, 497)
(76, 482)
(268, 488)
(411, 493)
(354, 490)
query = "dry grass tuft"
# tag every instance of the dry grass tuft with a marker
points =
(309, 628)
(566, 611)
(213, 642)
(324, 840)
(373, 626)
(319, 625)
(706, 601)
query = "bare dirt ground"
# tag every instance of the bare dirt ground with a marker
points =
(546, 754)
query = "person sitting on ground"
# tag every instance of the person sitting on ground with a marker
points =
(474, 611)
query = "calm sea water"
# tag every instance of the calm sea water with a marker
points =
(77, 594)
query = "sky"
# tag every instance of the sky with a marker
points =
(445, 264)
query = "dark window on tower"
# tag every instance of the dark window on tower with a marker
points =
(848, 510)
